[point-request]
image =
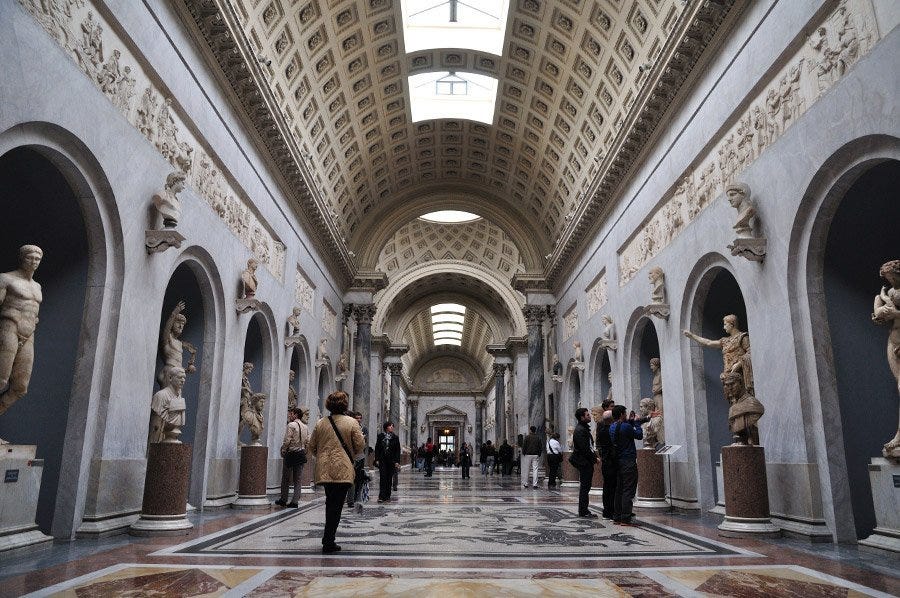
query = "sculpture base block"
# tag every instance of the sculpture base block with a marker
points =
(611, 345)
(245, 305)
(19, 497)
(752, 249)
(746, 493)
(164, 509)
(252, 484)
(886, 496)
(292, 341)
(651, 490)
(158, 241)
(658, 310)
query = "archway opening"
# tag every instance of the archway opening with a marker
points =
(184, 287)
(723, 297)
(604, 373)
(572, 404)
(254, 353)
(297, 387)
(40, 208)
(322, 390)
(649, 349)
(861, 237)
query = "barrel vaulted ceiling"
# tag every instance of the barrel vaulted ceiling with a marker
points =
(582, 86)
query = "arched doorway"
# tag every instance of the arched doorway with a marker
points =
(257, 351)
(323, 389)
(644, 348)
(299, 365)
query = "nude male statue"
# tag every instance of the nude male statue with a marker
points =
(20, 300)
(172, 347)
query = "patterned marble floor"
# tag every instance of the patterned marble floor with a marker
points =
(449, 537)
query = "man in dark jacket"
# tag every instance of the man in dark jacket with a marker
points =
(387, 458)
(607, 464)
(583, 457)
(623, 433)
(506, 457)
(531, 453)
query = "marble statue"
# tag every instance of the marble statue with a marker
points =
(608, 338)
(578, 354)
(294, 322)
(322, 351)
(557, 368)
(609, 395)
(252, 404)
(166, 202)
(657, 285)
(167, 409)
(887, 312)
(744, 411)
(735, 350)
(292, 393)
(248, 280)
(656, 386)
(738, 195)
(172, 347)
(343, 368)
(653, 431)
(20, 300)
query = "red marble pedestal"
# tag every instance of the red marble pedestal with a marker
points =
(164, 509)
(252, 483)
(651, 490)
(570, 475)
(746, 493)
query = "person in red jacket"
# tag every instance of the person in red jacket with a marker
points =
(429, 458)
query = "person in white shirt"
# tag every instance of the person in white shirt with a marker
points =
(554, 460)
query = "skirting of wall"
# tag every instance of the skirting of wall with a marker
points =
(111, 524)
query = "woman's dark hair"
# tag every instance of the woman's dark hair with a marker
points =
(337, 402)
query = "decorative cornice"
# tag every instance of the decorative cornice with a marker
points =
(370, 281)
(533, 282)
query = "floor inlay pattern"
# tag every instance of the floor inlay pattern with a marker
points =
(476, 530)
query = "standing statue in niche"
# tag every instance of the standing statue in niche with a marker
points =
(167, 409)
(166, 202)
(172, 347)
(20, 301)
(292, 394)
(735, 350)
(609, 395)
(744, 410)
(557, 368)
(343, 369)
(656, 386)
(248, 280)
(887, 312)
(322, 352)
(654, 434)
(252, 404)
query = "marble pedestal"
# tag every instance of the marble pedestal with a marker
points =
(569, 475)
(252, 484)
(19, 498)
(164, 509)
(746, 494)
(885, 476)
(651, 490)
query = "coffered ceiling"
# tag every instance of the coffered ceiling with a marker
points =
(582, 85)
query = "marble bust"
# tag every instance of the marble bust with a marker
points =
(886, 311)
(20, 301)
(172, 347)
(294, 322)
(248, 279)
(738, 195)
(653, 432)
(167, 409)
(578, 355)
(744, 410)
(657, 285)
(608, 337)
(166, 202)
(735, 349)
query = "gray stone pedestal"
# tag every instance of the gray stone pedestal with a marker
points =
(885, 478)
(252, 484)
(651, 490)
(164, 510)
(19, 497)
(746, 494)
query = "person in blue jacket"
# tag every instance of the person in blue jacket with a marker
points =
(623, 433)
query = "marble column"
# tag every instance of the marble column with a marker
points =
(363, 349)
(479, 424)
(413, 405)
(394, 409)
(534, 318)
(499, 401)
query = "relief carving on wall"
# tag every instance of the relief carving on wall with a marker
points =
(329, 320)
(597, 294)
(843, 37)
(570, 323)
(116, 72)
(304, 292)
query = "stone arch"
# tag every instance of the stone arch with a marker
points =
(573, 395)
(201, 265)
(370, 240)
(641, 343)
(817, 362)
(299, 361)
(599, 369)
(324, 386)
(711, 292)
(260, 338)
(90, 365)
(512, 302)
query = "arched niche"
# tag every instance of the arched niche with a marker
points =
(299, 363)
(258, 351)
(601, 367)
(573, 401)
(54, 194)
(644, 347)
(323, 389)
(862, 236)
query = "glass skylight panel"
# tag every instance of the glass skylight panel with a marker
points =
(451, 307)
(448, 341)
(447, 326)
(474, 24)
(438, 318)
(449, 217)
(448, 94)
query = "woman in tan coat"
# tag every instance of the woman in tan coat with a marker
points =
(334, 462)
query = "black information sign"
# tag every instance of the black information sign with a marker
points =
(12, 475)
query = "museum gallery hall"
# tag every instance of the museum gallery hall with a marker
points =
(450, 298)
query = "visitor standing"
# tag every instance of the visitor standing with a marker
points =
(387, 458)
(583, 458)
(531, 452)
(554, 460)
(465, 460)
(429, 458)
(293, 453)
(506, 458)
(623, 434)
(334, 441)
(607, 464)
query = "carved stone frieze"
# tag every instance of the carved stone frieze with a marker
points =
(304, 291)
(329, 320)
(597, 294)
(570, 323)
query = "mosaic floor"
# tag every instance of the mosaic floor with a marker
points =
(446, 537)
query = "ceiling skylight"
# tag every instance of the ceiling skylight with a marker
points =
(450, 216)
(447, 323)
(447, 94)
(473, 24)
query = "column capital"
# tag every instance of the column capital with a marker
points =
(480, 402)
(347, 311)
(395, 368)
(412, 401)
(499, 368)
(534, 314)
(364, 312)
